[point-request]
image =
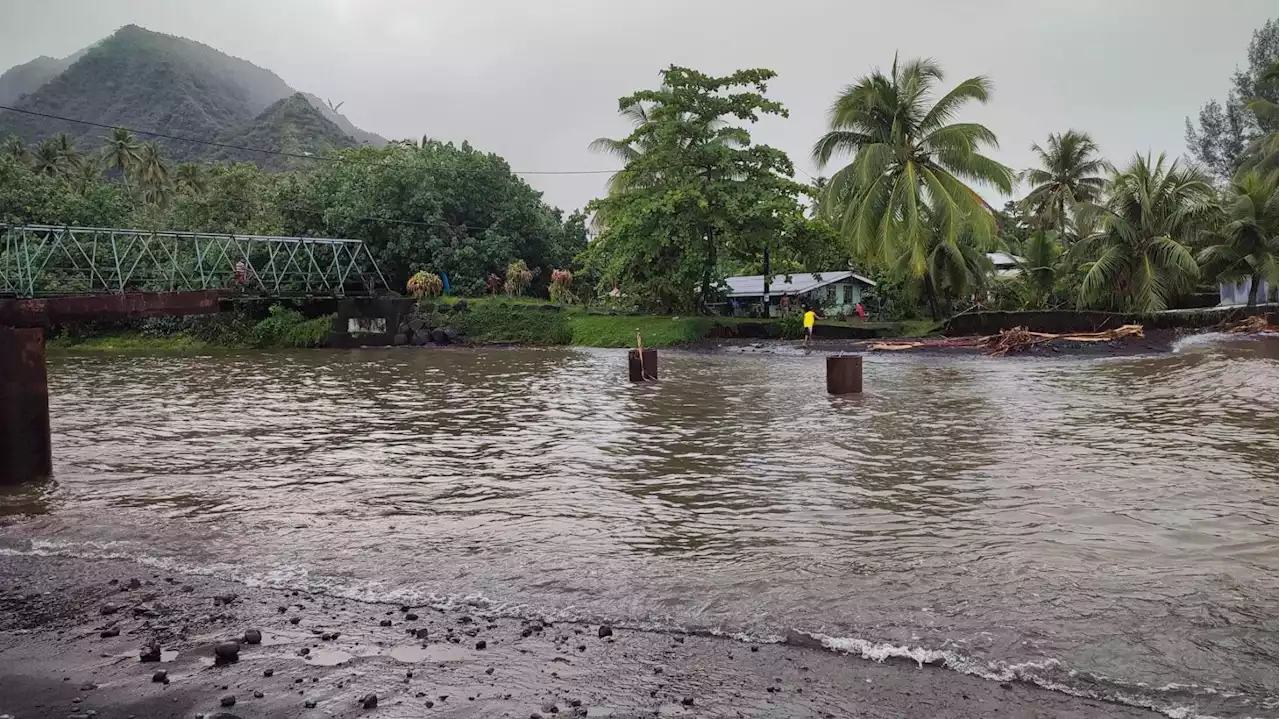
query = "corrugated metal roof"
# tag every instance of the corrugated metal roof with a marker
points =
(1004, 259)
(800, 282)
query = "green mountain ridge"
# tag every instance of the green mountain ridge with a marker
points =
(147, 80)
(293, 125)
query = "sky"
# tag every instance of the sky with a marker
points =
(537, 80)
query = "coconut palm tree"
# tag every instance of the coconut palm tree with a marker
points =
(86, 175)
(153, 174)
(1139, 250)
(69, 158)
(1247, 247)
(14, 147)
(189, 177)
(910, 165)
(46, 159)
(1069, 174)
(1263, 152)
(122, 152)
(1040, 262)
(955, 266)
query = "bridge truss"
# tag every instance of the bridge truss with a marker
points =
(50, 261)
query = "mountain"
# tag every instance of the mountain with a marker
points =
(362, 137)
(147, 80)
(293, 125)
(28, 77)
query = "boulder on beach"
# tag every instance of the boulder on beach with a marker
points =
(226, 653)
(149, 653)
(370, 701)
(605, 631)
(252, 636)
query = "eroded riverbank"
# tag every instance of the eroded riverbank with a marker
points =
(71, 632)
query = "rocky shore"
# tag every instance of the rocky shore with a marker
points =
(83, 639)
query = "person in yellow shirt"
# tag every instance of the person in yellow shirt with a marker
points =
(810, 318)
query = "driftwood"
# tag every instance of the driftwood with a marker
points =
(1249, 325)
(1011, 341)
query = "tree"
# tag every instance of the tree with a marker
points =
(87, 175)
(696, 196)
(189, 177)
(1067, 176)
(122, 152)
(1040, 262)
(1247, 244)
(1141, 260)
(910, 165)
(14, 147)
(1225, 130)
(955, 267)
(153, 174)
(1263, 153)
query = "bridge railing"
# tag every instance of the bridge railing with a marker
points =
(50, 261)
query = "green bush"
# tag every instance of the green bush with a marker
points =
(791, 325)
(289, 328)
(498, 324)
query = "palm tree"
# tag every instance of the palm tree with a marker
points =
(1039, 260)
(1140, 250)
(47, 160)
(87, 174)
(189, 177)
(68, 157)
(909, 162)
(955, 266)
(153, 174)
(1068, 175)
(1248, 247)
(122, 152)
(14, 147)
(1264, 152)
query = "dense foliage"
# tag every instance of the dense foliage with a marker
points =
(696, 196)
(1221, 140)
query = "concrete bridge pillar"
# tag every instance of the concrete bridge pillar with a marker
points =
(25, 449)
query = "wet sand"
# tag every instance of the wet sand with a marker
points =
(71, 633)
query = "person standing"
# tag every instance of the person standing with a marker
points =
(810, 319)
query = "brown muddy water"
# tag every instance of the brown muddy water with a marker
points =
(1103, 527)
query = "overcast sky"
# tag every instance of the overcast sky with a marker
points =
(537, 80)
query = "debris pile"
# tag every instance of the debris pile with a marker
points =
(1012, 341)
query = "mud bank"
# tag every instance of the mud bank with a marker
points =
(72, 631)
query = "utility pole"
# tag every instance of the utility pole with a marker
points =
(768, 275)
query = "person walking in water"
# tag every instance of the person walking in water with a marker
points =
(810, 318)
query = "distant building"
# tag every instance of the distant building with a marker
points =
(1238, 294)
(832, 293)
(1007, 265)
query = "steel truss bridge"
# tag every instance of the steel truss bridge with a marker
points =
(48, 261)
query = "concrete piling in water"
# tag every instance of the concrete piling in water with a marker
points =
(642, 365)
(844, 374)
(25, 450)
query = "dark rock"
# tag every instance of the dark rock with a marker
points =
(411, 617)
(526, 632)
(369, 701)
(420, 633)
(385, 623)
(451, 334)
(416, 324)
(110, 608)
(755, 649)
(226, 653)
(687, 701)
(430, 703)
(550, 708)
(310, 703)
(404, 608)
(420, 338)
(461, 306)
(464, 619)
(605, 631)
(149, 653)
(223, 599)
(489, 670)
(1006, 685)
(88, 687)
(481, 644)
(108, 633)
(439, 337)
(252, 636)
(535, 715)
(257, 694)
(221, 715)
(114, 581)
(228, 701)
(294, 620)
(135, 583)
(303, 652)
(188, 588)
(582, 647)
(268, 672)
(282, 610)
(575, 702)
(400, 339)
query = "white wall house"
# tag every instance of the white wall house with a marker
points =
(832, 293)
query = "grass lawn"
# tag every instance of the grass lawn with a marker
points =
(128, 342)
(620, 331)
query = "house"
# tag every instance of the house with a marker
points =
(1238, 293)
(832, 293)
(1007, 266)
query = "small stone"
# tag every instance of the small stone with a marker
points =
(755, 649)
(430, 703)
(294, 620)
(88, 687)
(582, 647)
(304, 652)
(226, 653)
(385, 623)
(108, 633)
(310, 703)
(228, 701)
(411, 617)
(135, 583)
(420, 633)
(687, 701)
(149, 653)
(224, 599)
(268, 672)
(489, 670)
(252, 636)
(370, 701)
(282, 610)
(110, 608)
(550, 708)
(404, 609)
(481, 644)
(160, 677)
(257, 694)
(575, 702)
(605, 631)
(1006, 685)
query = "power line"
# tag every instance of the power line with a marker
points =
(281, 153)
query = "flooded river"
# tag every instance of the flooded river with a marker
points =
(1098, 526)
